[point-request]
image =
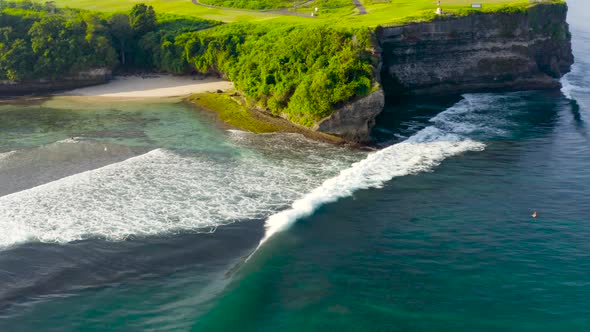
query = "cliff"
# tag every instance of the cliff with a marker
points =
(355, 120)
(503, 51)
(479, 52)
(81, 79)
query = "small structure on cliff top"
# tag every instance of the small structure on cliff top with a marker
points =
(439, 10)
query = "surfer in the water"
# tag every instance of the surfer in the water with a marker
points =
(534, 215)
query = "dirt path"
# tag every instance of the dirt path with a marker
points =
(361, 8)
(304, 4)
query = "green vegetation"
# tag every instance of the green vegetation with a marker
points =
(230, 109)
(232, 113)
(35, 44)
(297, 67)
(300, 71)
(172, 7)
(249, 4)
(327, 6)
(336, 13)
(40, 41)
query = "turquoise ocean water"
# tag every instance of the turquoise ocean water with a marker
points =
(152, 217)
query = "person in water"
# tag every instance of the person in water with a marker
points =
(534, 215)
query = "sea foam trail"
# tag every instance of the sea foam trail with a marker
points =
(419, 153)
(575, 82)
(570, 82)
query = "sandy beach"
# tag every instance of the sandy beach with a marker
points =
(157, 86)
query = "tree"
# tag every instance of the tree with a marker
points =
(121, 29)
(143, 19)
(55, 45)
(15, 61)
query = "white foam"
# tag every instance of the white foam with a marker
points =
(420, 153)
(237, 131)
(5, 155)
(155, 193)
(471, 115)
(5, 158)
(67, 141)
(569, 88)
(566, 87)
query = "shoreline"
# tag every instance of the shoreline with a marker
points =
(234, 114)
(152, 86)
(210, 94)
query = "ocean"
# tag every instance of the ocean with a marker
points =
(151, 216)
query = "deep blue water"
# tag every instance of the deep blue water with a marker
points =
(149, 217)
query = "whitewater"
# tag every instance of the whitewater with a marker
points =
(166, 192)
(447, 136)
(162, 191)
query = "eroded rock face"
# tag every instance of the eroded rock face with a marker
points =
(354, 121)
(80, 79)
(499, 51)
(452, 55)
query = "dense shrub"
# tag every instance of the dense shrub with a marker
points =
(37, 44)
(301, 71)
(39, 41)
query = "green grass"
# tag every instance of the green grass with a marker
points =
(178, 7)
(252, 4)
(380, 12)
(236, 115)
(232, 113)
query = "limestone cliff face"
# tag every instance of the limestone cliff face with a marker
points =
(81, 79)
(497, 51)
(479, 52)
(354, 121)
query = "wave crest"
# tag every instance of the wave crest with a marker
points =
(419, 153)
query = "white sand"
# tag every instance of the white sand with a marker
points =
(156, 86)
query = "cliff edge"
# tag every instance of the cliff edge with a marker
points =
(522, 50)
(502, 51)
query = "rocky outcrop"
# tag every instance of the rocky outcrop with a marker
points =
(520, 50)
(494, 51)
(354, 121)
(81, 79)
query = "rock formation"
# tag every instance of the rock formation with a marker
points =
(479, 52)
(81, 79)
(503, 51)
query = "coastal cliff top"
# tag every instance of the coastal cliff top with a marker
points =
(347, 13)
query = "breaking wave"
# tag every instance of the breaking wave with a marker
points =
(160, 192)
(571, 83)
(444, 138)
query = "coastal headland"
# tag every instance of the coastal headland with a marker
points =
(328, 73)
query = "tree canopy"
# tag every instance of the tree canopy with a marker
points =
(302, 72)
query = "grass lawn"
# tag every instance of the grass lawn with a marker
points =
(179, 7)
(379, 11)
